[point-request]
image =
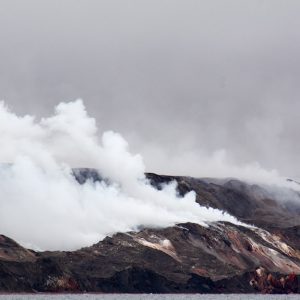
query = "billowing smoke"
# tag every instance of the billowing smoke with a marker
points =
(44, 207)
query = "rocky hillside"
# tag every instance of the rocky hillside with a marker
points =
(186, 258)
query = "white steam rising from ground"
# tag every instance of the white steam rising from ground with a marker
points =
(43, 206)
(218, 164)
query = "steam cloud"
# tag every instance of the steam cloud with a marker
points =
(44, 207)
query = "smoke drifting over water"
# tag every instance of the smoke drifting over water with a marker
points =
(44, 207)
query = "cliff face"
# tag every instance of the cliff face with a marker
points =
(184, 258)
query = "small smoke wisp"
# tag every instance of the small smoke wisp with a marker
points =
(42, 206)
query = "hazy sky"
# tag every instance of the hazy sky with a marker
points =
(178, 79)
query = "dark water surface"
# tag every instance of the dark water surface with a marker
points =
(147, 297)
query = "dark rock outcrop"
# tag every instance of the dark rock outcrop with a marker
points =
(186, 258)
(250, 203)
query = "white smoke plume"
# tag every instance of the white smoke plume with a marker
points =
(44, 207)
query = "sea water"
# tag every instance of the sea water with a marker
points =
(148, 297)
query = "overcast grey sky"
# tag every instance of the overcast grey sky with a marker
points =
(182, 78)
